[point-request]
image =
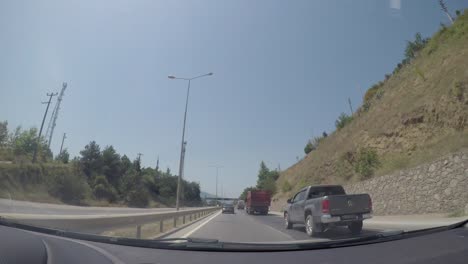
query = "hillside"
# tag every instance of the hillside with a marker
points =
(416, 115)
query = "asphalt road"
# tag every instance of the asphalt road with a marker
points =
(241, 227)
(23, 207)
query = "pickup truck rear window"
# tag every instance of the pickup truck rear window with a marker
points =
(325, 191)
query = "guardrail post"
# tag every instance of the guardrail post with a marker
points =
(190, 217)
(161, 226)
(175, 221)
(138, 231)
(183, 220)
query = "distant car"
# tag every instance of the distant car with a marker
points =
(228, 208)
(240, 205)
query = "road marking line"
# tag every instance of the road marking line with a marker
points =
(201, 225)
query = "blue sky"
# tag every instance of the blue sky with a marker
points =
(283, 71)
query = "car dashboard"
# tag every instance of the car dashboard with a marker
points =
(24, 246)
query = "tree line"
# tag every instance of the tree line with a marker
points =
(107, 174)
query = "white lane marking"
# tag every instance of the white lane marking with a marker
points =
(201, 225)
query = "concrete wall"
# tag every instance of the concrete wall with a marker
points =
(437, 187)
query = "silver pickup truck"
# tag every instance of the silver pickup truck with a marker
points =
(322, 207)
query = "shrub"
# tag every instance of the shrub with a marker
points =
(343, 120)
(309, 147)
(458, 90)
(103, 190)
(138, 197)
(286, 187)
(371, 92)
(366, 162)
(68, 188)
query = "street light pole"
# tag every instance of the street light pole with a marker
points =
(217, 167)
(182, 148)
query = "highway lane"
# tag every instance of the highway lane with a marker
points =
(241, 227)
(24, 207)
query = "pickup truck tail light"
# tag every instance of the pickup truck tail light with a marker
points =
(325, 206)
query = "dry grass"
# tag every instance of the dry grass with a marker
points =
(413, 122)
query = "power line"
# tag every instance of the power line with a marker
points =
(42, 126)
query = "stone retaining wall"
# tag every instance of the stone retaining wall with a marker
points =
(437, 187)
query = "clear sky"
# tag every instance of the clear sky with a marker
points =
(283, 71)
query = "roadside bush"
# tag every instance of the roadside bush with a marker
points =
(103, 190)
(138, 197)
(343, 120)
(366, 162)
(286, 187)
(68, 188)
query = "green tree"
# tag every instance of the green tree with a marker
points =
(3, 133)
(91, 160)
(126, 164)
(112, 165)
(263, 174)
(63, 157)
(24, 141)
(267, 178)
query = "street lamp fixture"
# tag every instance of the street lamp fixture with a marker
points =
(182, 148)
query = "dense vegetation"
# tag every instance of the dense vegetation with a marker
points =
(101, 175)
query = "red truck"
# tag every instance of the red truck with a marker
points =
(258, 201)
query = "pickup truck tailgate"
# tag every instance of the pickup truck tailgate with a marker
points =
(349, 204)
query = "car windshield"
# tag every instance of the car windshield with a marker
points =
(312, 121)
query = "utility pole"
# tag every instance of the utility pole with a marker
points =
(444, 8)
(63, 139)
(350, 106)
(157, 164)
(42, 125)
(139, 157)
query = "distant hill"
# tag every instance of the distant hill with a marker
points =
(415, 115)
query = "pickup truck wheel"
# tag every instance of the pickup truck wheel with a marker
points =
(355, 227)
(310, 226)
(287, 223)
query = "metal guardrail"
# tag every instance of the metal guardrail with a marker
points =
(97, 224)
